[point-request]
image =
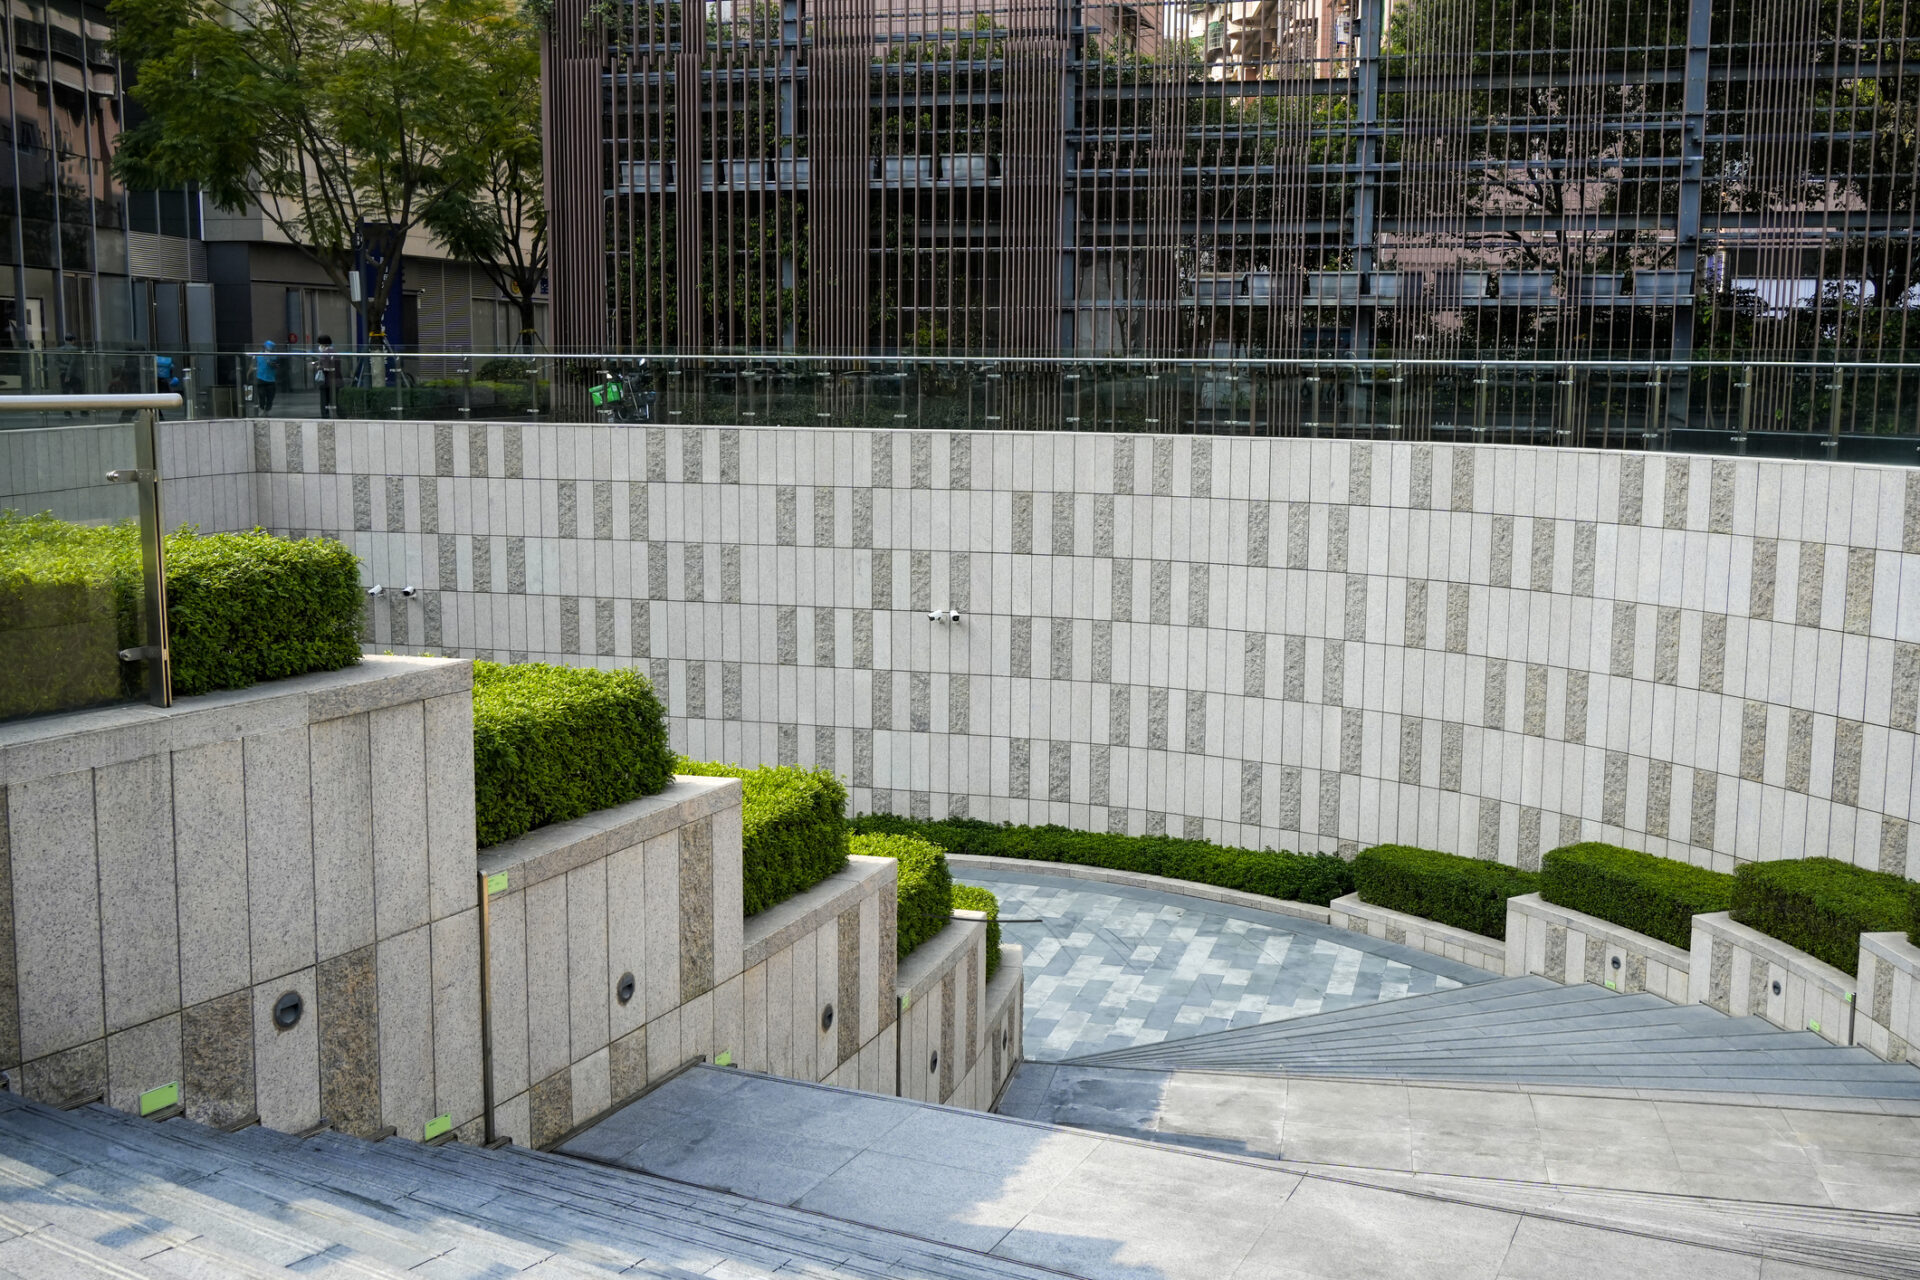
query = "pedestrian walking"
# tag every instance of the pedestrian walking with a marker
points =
(326, 376)
(266, 377)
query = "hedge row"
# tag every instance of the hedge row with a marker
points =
(241, 608)
(554, 743)
(1821, 905)
(1300, 877)
(1467, 893)
(971, 897)
(793, 828)
(925, 885)
(1655, 896)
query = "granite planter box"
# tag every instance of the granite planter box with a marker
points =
(1571, 946)
(943, 1010)
(1888, 1007)
(1743, 972)
(1422, 935)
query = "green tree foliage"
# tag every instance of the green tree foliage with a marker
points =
(348, 125)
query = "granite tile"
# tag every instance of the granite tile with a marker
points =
(348, 1008)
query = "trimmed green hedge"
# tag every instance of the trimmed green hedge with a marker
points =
(241, 608)
(554, 743)
(1821, 905)
(1655, 896)
(1913, 914)
(1467, 893)
(245, 607)
(926, 886)
(971, 897)
(1300, 877)
(793, 828)
(69, 602)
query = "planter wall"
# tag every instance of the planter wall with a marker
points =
(1422, 935)
(1743, 972)
(1571, 946)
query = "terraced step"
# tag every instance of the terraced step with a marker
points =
(1532, 1030)
(95, 1191)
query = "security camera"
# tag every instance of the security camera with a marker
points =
(409, 591)
(936, 616)
(953, 615)
(376, 590)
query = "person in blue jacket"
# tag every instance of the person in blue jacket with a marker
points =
(266, 377)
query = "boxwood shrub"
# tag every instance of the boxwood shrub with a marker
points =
(241, 608)
(1913, 914)
(971, 897)
(554, 743)
(1467, 893)
(1655, 896)
(1821, 905)
(793, 828)
(245, 607)
(926, 886)
(1300, 877)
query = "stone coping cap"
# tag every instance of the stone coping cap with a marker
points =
(546, 852)
(920, 972)
(1722, 924)
(1894, 949)
(1353, 906)
(784, 923)
(49, 745)
(1532, 904)
(1141, 880)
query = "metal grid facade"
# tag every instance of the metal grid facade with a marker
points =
(1415, 179)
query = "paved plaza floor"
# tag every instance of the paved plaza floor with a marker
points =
(1111, 966)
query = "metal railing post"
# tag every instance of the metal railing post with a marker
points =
(153, 561)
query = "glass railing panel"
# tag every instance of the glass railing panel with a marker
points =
(73, 575)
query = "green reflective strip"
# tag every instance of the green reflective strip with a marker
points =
(723, 1058)
(905, 1000)
(1610, 985)
(437, 1126)
(167, 1095)
(1813, 1026)
(496, 883)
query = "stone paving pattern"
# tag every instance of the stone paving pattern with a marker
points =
(1113, 966)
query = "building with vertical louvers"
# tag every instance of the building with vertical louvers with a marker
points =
(1424, 178)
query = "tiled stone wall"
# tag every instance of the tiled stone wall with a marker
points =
(944, 1022)
(1571, 946)
(1743, 972)
(1296, 643)
(831, 947)
(167, 876)
(1413, 931)
(1889, 998)
(650, 889)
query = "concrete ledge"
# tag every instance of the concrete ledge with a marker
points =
(1422, 935)
(1140, 880)
(546, 852)
(780, 926)
(933, 959)
(1888, 1007)
(1570, 946)
(51, 745)
(1736, 970)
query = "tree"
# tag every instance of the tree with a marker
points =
(343, 123)
(493, 210)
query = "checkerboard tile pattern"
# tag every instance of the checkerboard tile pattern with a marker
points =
(1112, 966)
(1295, 643)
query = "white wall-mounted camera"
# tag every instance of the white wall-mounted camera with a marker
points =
(376, 590)
(409, 591)
(944, 615)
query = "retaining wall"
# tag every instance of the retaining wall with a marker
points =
(167, 877)
(1297, 643)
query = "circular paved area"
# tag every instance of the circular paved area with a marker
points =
(1108, 966)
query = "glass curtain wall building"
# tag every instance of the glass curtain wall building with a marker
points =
(1418, 179)
(83, 256)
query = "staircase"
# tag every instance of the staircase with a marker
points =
(1535, 1031)
(94, 1192)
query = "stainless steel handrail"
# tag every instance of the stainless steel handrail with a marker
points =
(55, 403)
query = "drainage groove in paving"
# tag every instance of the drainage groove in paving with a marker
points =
(1535, 1031)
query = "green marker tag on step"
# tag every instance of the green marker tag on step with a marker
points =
(1610, 985)
(496, 883)
(723, 1059)
(905, 1001)
(167, 1095)
(1813, 1026)
(437, 1126)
